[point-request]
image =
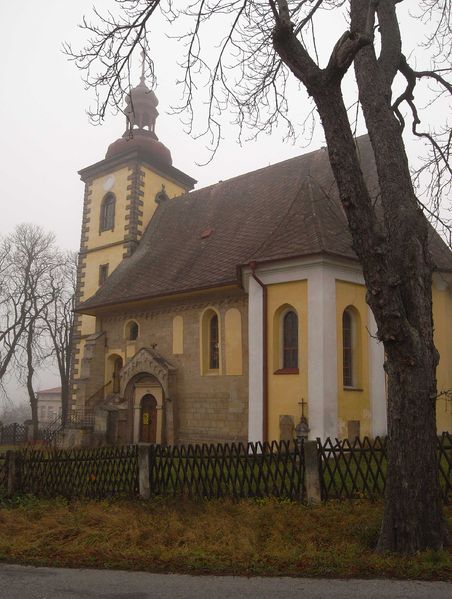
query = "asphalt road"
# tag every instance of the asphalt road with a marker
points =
(24, 582)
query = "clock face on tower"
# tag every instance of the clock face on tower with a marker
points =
(109, 182)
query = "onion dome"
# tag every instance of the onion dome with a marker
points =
(141, 113)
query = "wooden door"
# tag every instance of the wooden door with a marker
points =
(148, 419)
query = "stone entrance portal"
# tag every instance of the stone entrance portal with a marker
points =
(148, 419)
(148, 414)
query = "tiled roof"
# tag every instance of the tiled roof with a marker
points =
(199, 240)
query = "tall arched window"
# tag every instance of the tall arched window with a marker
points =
(210, 342)
(350, 347)
(290, 340)
(107, 213)
(214, 348)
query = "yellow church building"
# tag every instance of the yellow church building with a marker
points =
(226, 313)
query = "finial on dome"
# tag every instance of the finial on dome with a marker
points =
(141, 106)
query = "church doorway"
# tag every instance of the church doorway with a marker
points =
(148, 419)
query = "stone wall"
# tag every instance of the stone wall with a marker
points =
(207, 408)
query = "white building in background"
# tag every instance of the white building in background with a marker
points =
(49, 405)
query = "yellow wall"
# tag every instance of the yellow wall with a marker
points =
(152, 186)
(353, 403)
(442, 317)
(119, 189)
(178, 335)
(114, 255)
(285, 391)
(233, 341)
(111, 256)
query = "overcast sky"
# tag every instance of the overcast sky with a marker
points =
(46, 136)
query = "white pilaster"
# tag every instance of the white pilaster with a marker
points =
(322, 352)
(377, 387)
(255, 348)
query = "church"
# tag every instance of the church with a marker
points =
(231, 313)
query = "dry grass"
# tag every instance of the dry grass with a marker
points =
(263, 537)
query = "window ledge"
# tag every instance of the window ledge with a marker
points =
(287, 371)
(353, 388)
(211, 372)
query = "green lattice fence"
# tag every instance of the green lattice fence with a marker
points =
(236, 470)
(350, 469)
(95, 473)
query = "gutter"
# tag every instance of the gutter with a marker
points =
(253, 266)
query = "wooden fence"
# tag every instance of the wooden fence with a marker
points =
(333, 469)
(237, 470)
(350, 469)
(93, 473)
(13, 434)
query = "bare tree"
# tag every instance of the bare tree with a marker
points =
(15, 301)
(33, 261)
(262, 43)
(58, 319)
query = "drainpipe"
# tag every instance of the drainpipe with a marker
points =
(253, 266)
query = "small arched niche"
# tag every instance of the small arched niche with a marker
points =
(132, 330)
(114, 367)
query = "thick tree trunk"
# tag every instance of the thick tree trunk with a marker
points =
(31, 392)
(399, 294)
(395, 259)
(413, 509)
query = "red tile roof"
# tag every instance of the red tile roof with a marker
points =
(286, 210)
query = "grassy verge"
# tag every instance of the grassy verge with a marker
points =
(262, 537)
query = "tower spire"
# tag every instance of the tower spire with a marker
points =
(141, 105)
(143, 64)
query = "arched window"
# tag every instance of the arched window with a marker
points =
(107, 213)
(290, 340)
(214, 352)
(132, 331)
(350, 347)
(210, 342)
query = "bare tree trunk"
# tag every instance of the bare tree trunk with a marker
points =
(396, 264)
(413, 509)
(65, 396)
(399, 294)
(30, 374)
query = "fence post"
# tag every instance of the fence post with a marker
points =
(143, 471)
(13, 468)
(311, 468)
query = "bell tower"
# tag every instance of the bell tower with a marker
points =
(122, 192)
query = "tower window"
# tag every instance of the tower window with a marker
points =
(107, 213)
(103, 274)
